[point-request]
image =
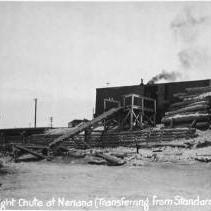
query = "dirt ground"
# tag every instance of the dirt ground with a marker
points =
(77, 181)
(171, 175)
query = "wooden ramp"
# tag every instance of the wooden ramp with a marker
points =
(84, 126)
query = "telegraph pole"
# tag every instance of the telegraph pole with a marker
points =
(51, 122)
(35, 112)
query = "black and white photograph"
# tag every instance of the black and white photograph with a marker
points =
(105, 105)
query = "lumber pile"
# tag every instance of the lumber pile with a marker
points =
(193, 109)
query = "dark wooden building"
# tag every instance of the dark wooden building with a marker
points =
(76, 122)
(161, 92)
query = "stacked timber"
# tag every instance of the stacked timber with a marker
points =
(192, 110)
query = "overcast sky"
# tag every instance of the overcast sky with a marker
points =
(61, 52)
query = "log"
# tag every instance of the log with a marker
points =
(74, 154)
(97, 161)
(170, 135)
(110, 159)
(205, 111)
(165, 137)
(180, 94)
(36, 147)
(119, 154)
(188, 109)
(202, 96)
(198, 90)
(203, 159)
(181, 129)
(151, 145)
(202, 125)
(189, 104)
(204, 155)
(168, 139)
(182, 97)
(30, 152)
(192, 101)
(186, 118)
(202, 144)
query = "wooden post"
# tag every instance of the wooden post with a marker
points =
(131, 113)
(142, 112)
(131, 119)
(154, 116)
(104, 105)
(124, 102)
(23, 136)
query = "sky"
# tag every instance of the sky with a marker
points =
(60, 52)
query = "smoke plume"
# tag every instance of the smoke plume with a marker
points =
(164, 75)
(186, 25)
(191, 58)
(192, 33)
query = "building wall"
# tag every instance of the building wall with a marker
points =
(25, 131)
(116, 93)
(163, 93)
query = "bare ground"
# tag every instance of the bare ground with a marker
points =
(45, 180)
(168, 173)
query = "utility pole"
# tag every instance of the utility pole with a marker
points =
(35, 112)
(51, 122)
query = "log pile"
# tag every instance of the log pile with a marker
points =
(193, 109)
(130, 139)
(111, 139)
